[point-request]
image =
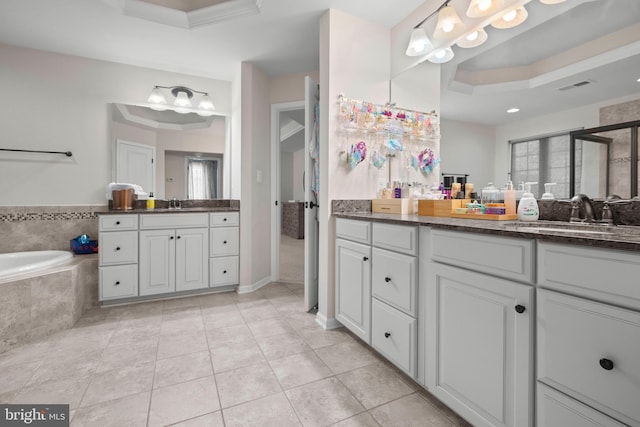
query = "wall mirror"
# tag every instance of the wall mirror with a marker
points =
(563, 57)
(189, 153)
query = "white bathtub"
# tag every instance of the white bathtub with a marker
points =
(15, 263)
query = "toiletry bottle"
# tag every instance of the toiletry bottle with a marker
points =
(528, 207)
(548, 195)
(468, 189)
(397, 191)
(510, 199)
(151, 202)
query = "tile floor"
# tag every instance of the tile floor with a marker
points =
(217, 360)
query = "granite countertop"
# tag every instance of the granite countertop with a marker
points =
(167, 210)
(612, 237)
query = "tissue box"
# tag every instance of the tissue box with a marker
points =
(83, 248)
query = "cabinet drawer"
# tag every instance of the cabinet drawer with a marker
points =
(118, 247)
(118, 222)
(605, 275)
(177, 220)
(224, 219)
(590, 351)
(557, 409)
(394, 334)
(224, 241)
(400, 238)
(506, 257)
(118, 282)
(394, 279)
(223, 271)
(351, 229)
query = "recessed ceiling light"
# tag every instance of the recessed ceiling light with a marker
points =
(513, 110)
(638, 80)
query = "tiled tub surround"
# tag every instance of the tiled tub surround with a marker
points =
(34, 305)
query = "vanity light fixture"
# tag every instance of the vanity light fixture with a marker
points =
(448, 22)
(441, 56)
(480, 8)
(419, 43)
(182, 102)
(473, 39)
(511, 19)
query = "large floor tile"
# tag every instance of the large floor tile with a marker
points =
(66, 368)
(245, 384)
(236, 355)
(259, 312)
(182, 343)
(123, 356)
(270, 411)
(184, 324)
(65, 391)
(375, 384)
(183, 401)
(299, 369)
(224, 319)
(346, 356)
(323, 402)
(230, 335)
(126, 411)
(362, 420)
(316, 337)
(214, 419)
(183, 368)
(269, 327)
(410, 411)
(118, 383)
(13, 378)
(277, 346)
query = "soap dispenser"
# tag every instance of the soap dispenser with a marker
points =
(528, 207)
(510, 199)
(548, 195)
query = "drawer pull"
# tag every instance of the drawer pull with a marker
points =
(387, 334)
(178, 237)
(224, 219)
(224, 272)
(117, 283)
(117, 222)
(118, 248)
(365, 258)
(520, 309)
(225, 242)
(387, 279)
(170, 237)
(606, 364)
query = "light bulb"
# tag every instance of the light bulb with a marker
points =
(484, 4)
(156, 97)
(448, 27)
(510, 16)
(182, 100)
(473, 36)
(440, 54)
(206, 103)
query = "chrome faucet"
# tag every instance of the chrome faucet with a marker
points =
(582, 209)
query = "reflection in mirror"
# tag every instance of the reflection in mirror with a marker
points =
(189, 150)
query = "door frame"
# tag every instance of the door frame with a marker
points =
(119, 142)
(276, 211)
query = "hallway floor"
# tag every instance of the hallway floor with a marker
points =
(216, 360)
(291, 259)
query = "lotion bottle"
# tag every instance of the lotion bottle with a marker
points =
(548, 195)
(528, 207)
(151, 202)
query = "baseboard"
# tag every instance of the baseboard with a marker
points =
(245, 289)
(326, 323)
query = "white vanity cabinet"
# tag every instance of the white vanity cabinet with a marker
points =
(173, 259)
(118, 256)
(224, 248)
(479, 327)
(353, 277)
(588, 335)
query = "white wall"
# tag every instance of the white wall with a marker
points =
(469, 148)
(286, 176)
(62, 103)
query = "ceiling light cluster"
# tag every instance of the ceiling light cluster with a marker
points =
(182, 100)
(450, 29)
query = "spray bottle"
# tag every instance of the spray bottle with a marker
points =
(528, 207)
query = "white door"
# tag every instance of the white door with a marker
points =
(157, 262)
(136, 164)
(311, 97)
(192, 259)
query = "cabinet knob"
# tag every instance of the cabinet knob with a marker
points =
(387, 279)
(225, 242)
(520, 309)
(170, 237)
(224, 272)
(606, 364)
(178, 237)
(387, 334)
(117, 283)
(365, 258)
(118, 248)
(117, 222)
(224, 219)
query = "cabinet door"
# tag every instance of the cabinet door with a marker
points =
(192, 259)
(157, 262)
(479, 346)
(353, 287)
